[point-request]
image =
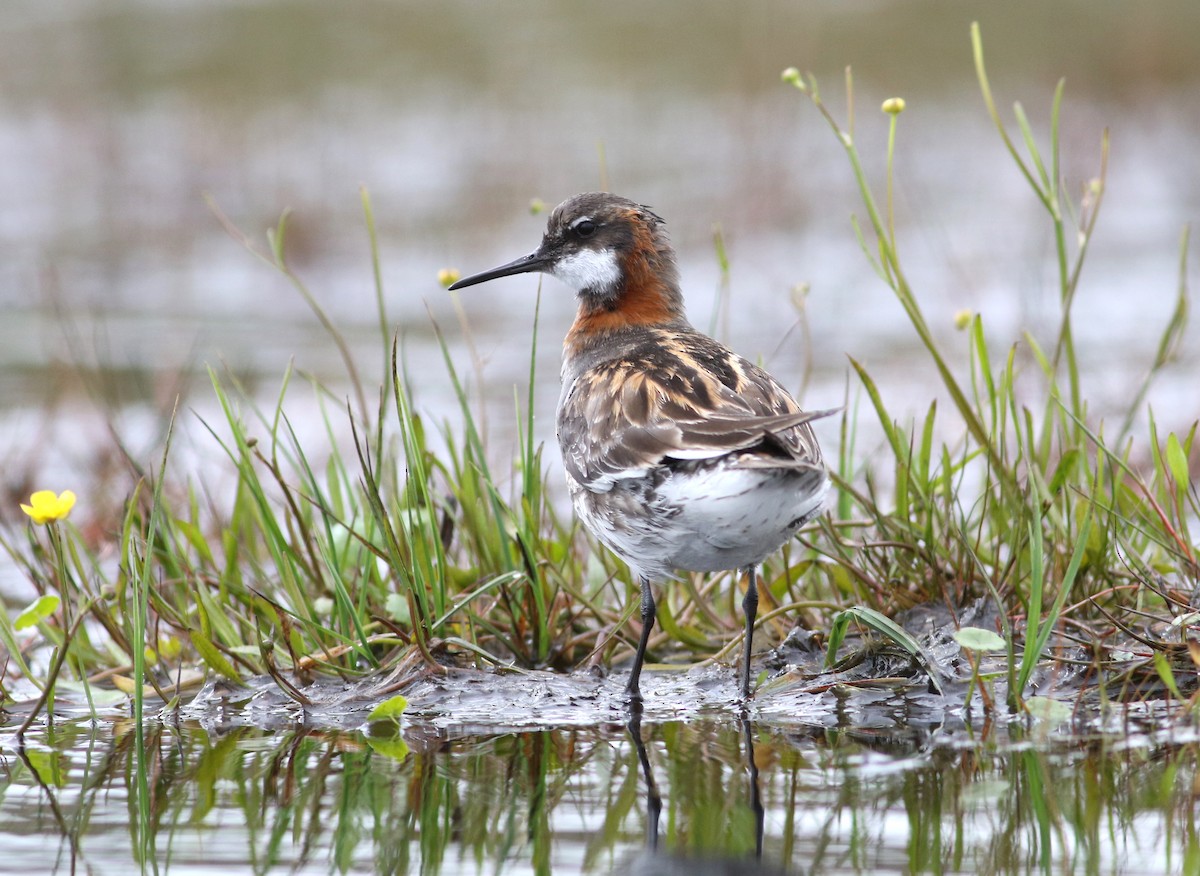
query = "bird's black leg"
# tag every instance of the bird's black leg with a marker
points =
(750, 607)
(648, 614)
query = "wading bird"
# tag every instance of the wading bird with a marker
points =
(679, 454)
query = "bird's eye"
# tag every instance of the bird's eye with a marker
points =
(585, 227)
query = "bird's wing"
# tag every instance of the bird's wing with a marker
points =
(622, 417)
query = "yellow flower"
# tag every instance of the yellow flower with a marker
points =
(446, 276)
(45, 507)
(893, 106)
(962, 318)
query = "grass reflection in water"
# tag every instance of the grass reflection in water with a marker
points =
(567, 801)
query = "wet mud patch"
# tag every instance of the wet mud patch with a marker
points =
(874, 687)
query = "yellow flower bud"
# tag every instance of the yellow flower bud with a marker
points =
(792, 76)
(893, 106)
(446, 276)
(962, 318)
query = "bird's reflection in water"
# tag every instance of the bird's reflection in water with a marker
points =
(656, 862)
(653, 798)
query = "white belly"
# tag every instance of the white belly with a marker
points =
(702, 520)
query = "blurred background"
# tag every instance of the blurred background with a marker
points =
(127, 125)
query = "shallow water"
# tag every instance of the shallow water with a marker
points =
(859, 770)
(835, 797)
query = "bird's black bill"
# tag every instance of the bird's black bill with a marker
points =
(524, 265)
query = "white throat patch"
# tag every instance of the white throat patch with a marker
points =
(593, 270)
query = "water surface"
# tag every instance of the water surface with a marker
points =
(830, 798)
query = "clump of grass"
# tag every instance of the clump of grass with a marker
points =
(1036, 506)
(385, 560)
(406, 553)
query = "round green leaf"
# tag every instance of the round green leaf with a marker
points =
(1046, 709)
(37, 611)
(979, 639)
(391, 708)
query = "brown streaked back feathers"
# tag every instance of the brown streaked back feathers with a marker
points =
(675, 395)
